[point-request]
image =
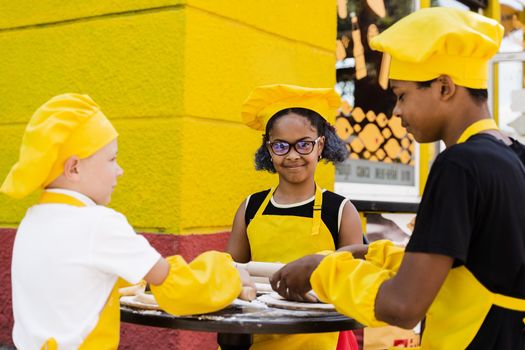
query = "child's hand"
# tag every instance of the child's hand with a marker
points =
(293, 280)
(248, 291)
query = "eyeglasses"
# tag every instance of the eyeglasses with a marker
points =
(281, 148)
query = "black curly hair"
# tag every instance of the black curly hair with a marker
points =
(334, 150)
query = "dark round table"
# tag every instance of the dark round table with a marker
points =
(235, 324)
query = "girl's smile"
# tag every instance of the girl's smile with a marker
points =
(295, 167)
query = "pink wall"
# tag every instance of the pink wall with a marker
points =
(132, 336)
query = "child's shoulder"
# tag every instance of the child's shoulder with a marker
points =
(479, 149)
(258, 196)
(332, 196)
(99, 212)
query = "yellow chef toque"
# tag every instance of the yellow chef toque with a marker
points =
(264, 101)
(66, 125)
(435, 41)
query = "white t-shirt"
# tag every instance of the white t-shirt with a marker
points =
(66, 261)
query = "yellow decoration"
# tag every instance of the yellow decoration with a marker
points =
(380, 154)
(346, 109)
(371, 116)
(343, 128)
(371, 137)
(392, 148)
(66, 125)
(404, 157)
(264, 101)
(439, 40)
(396, 127)
(357, 145)
(381, 120)
(358, 114)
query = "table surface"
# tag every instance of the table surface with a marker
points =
(245, 318)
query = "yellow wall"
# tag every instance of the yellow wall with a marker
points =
(172, 76)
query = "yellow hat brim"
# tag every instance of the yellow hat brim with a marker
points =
(265, 101)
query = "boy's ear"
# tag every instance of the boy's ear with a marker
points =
(72, 168)
(446, 86)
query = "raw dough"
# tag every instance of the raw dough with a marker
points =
(275, 300)
(140, 301)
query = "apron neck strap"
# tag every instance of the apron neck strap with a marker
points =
(265, 202)
(476, 128)
(59, 198)
(318, 203)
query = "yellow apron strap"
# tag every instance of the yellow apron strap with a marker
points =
(50, 344)
(318, 203)
(106, 334)
(477, 127)
(264, 203)
(59, 198)
(509, 302)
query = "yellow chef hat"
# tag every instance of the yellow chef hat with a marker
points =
(66, 125)
(438, 40)
(266, 100)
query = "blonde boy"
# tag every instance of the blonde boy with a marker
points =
(71, 253)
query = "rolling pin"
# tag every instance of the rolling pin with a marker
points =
(263, 287)
(259, 279)
(261, 269)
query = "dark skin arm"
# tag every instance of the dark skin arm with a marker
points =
(358, 250)
(401, 301)
(296, 275)
(350, 230)
(238, 245)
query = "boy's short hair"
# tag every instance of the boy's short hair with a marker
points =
(66, 125)
(440, 41)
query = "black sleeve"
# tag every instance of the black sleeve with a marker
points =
(447, 212)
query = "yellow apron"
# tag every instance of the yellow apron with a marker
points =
(462, 293)
(280, 238)
(106, 334)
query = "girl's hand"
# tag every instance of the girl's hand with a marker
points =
(292, 282)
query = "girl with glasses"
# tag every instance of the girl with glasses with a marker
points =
(297, 217)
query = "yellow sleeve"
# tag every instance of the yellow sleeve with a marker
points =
(385, 254)
(351, 285)
(209, 283)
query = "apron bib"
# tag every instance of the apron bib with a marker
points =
(282, 238)
(462, 293)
